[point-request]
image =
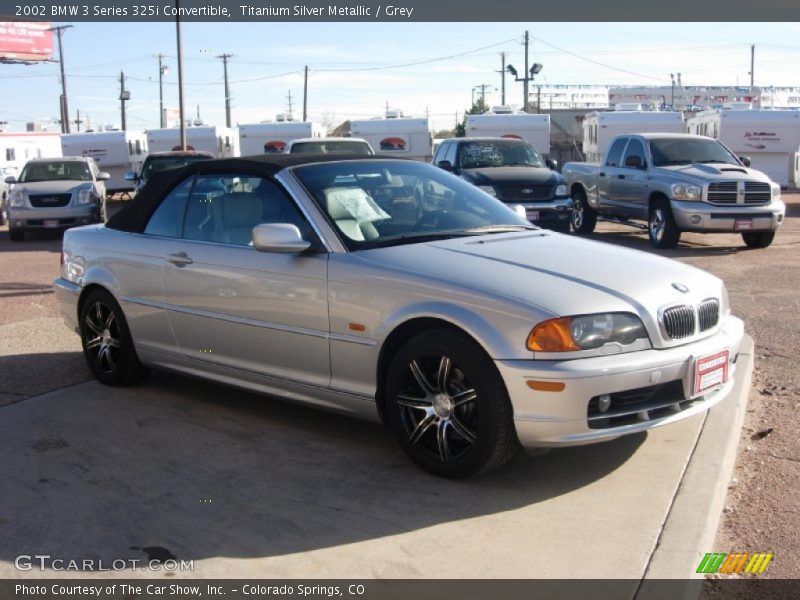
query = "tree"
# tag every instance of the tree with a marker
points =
(478, 108)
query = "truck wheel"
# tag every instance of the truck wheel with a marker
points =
(584, 217)
(16, 235)
(758, 239)
(661, 227)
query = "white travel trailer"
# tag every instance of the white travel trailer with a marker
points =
(272, 138)
(17, 148)
(222, 142)
(534, 129)
(770, 138)
(396, 136)
(599, 128)
(115, 152)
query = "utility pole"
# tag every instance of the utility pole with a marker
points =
(482, 87)
(305, 94)
(78, 120)
(752, 64)
(528, 75)
(124, 96)
(63, 104)
(162, 70)
(225, 58)
(502, 72)
(180, 73)
(289, 96)
(525, 81)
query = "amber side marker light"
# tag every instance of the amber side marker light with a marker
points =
(546, 386)
(552, 336)
(356, 327)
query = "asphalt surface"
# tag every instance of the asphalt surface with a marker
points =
(208, 435)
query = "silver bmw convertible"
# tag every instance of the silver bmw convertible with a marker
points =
(394, 291)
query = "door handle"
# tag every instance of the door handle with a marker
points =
(601, 174)
(181, 259)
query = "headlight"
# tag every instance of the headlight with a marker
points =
(488, 189)
(86, 196)
(561, 190)
(687, 191)
(569, 334)
(17, 198)
(776, 190)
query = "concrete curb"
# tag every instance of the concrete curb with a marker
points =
(691, 525)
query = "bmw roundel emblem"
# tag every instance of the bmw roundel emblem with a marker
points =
(681, 288)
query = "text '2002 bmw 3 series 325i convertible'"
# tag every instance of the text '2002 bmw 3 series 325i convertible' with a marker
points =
(392, 290)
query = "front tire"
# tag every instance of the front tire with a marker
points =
(661, 227)
(584, 217)
(16, 235)
(448, 405)
(758, 239)
(107, 342)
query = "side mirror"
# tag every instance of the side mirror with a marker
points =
(279, 237)
(11, 179)
(131, 176)
(103, 175)
(445, 164)
(745, 160)
(635, 162)
(551, 164)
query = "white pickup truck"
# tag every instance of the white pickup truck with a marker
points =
(675, 183)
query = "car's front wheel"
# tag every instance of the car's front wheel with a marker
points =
(448, 406)
(758, 239)
(661, 226)
(16, 235)
(107, 342)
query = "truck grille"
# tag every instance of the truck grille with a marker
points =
(708, 314)
(49, 200)
(726, 192)
(679, 321)
(525, 192)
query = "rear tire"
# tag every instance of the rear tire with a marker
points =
(448, 405)
(16, 235)
(661, 227)
(107, 342)
(758, 239)
(584, 217)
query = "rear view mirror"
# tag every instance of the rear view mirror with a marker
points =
(131, 176)
(745, 160)
(103, 176)
(279, 237)
(11, 179)
(445, 164)
(551, 164)
(635, 162)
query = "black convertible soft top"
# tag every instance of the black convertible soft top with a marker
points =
(133, 217)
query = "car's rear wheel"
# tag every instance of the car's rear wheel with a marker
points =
(661, 226)
(448, 406)
(107, 342)
(584, 217)
(16, 235)
(758, 239)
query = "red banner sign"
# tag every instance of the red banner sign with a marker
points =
(25, 41)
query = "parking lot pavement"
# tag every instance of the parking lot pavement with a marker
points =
(246, 487)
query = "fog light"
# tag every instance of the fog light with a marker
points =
(695, 219)
(18, 223)
(604, 402)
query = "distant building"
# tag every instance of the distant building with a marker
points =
(684, 97)
(555, 97)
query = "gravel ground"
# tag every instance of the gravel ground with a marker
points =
(764, 496)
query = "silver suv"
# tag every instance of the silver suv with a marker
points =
(56, 193)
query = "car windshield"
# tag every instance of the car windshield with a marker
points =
(668, 152)
(497, 153)
(163, 163)
(335, 146)
(384, 203)
(56, 170)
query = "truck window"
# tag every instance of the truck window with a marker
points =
(615, 153)
(10, 155)
(440, 151)
(635, 148)
(451, 153)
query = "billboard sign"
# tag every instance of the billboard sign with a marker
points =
(25, 41)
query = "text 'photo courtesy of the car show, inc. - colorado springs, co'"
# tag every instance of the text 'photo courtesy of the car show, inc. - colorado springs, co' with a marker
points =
(450, 300)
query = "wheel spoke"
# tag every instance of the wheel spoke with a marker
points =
(98, 313)
(462, 430)
(410, 402)
(422, 380)
(113, 343)
(94, 327)
(464, 397)
(100, 355)
(443, 374)
(441, 440)
(110, 319)
(421, 428)
(112, 364)
(94, 342)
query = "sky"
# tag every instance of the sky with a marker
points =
(356, 68)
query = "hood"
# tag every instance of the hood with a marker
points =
(555, 274)
(711, 172)
(489, 175)
(53, 187)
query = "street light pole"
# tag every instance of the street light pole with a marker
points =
(525, 81)
(180, 73)
(63, 104)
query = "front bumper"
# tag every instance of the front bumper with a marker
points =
(701, 216)
(67, 295)
(549, 213)
(546, 418)
(53, 218)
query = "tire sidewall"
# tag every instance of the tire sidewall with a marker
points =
(127, 361)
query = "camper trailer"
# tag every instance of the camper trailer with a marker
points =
(395, 135)
(599, 128)
(534, 129)
(17, 148)
(115, 152)
(222, 142)
(272, 138)
(770, 138)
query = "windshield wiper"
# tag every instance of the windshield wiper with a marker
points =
(431, 236)
(486, 229)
